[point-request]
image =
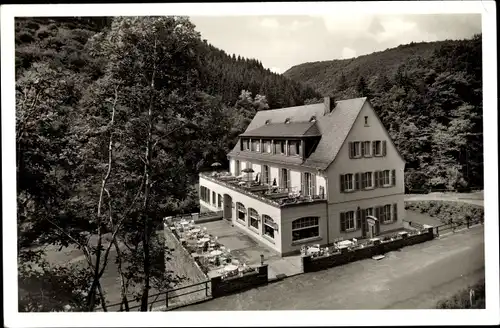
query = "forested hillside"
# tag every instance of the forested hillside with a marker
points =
(429, 96)
(115, 118)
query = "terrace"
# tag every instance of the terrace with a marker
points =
(270, 194)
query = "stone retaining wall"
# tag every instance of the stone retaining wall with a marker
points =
(222, 287)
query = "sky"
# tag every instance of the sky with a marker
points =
(281, 42)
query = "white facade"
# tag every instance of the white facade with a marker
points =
(338, 206)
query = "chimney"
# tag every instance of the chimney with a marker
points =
(329, 104)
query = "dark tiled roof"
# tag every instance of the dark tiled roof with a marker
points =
(299, 129)
(333, 128)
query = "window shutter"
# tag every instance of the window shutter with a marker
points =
(395, 212)
(350, 149)
(241, 144)
(342, 222)
(341, 183)
(363, 221)
(362, 148)
(381, 178)
(377, 212)
(356, 178)
(358, 219)
(374, 148)
(313, 183)
(288, 177)
(393, 177)
(376, 178)
(384, 148)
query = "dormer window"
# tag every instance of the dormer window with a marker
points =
(313, 119)
(287, 121)
(268, 121)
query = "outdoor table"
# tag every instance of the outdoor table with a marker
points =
(313, 250)
(215, 253)
(345, 243)
(195, 230)
(204, 240)
(230, 267)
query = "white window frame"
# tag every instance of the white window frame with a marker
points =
(257, 147)
(268, 146)
(346, 182)
(356, 151)
(350, 227)
(369, 179)
(240, 208)
(265, 224)
(266, 174)
(315, 223)
(388, 176)
(253, 215)
(367, 149)
(386, 215)
(369, 211)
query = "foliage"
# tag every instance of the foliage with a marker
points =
(447, 210)
(428, 95)
(461, 300)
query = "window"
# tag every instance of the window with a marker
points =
(348, 182)
(205, 194)
(254, 218)
(305, 228)
(279, 147)
(214, 200)
(369, 211)
(284, 178)
(385, 214)
(267, 146)
(349, 221)
(309, 184)
(294, 148)
(367, 181)
(219, 202)
(377, 148)
(355, 149)
(365, 148)
(366, 120)
(265, 174)
(268, 226)
(241, 212)
(386, 178)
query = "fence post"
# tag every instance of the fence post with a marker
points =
(206, 288)
(166, 299)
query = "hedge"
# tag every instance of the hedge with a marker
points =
(461, 300)
(446, 210)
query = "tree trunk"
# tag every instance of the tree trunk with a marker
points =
(147, 172)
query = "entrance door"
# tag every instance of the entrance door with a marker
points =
(228, 207)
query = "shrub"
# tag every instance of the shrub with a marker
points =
(444, 211)
(461, 300)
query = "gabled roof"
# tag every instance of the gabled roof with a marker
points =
(293, 129)
(333, 128)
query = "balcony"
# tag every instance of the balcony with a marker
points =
(272, 195)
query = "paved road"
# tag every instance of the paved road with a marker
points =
(413, 278)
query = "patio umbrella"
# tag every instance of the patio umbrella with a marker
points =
(249, 171)
(216, 164)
